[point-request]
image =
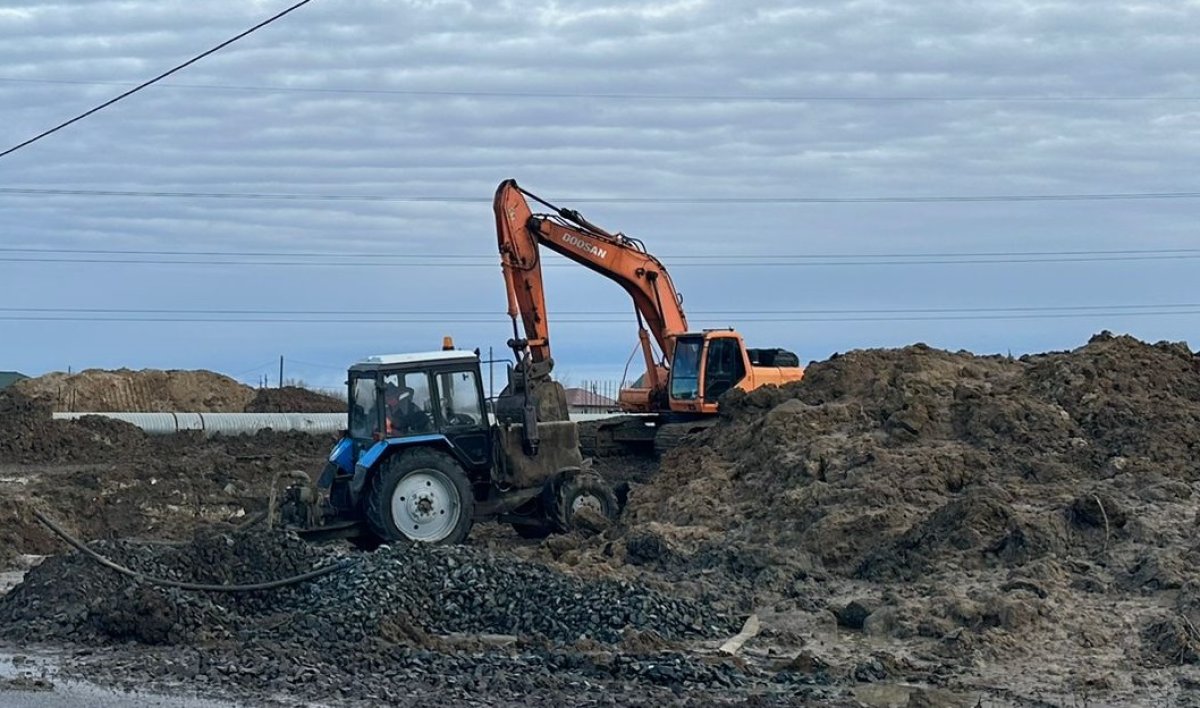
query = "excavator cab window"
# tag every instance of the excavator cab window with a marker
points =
(685, 368)
(723, 367)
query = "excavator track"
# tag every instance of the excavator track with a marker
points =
(642, 436)
(617, 436)
(671, 435)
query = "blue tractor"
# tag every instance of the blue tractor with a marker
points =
(422, 459)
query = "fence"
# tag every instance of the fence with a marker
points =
(594, 396)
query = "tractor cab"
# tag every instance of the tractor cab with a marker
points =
(402, 396)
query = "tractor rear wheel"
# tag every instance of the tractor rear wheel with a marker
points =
(422, 495)
(577, 490)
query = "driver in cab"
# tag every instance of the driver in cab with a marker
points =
(403, 416)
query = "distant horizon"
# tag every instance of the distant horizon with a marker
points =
(297, 375)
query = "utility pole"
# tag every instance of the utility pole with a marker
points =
(280, 371)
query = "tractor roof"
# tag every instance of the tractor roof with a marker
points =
(417, 358)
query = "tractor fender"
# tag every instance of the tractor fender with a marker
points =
(385, 449)
(340, 462)
(342, 455)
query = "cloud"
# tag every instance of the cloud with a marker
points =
(561, 140)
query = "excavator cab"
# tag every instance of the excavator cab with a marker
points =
(705, 365)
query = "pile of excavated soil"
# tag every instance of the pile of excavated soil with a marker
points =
(27, 433)
(148, 390)
(106, 479)
(1024, 510)
(292, 399)
(886, 464)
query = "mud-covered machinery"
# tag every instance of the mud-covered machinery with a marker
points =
(421, 460)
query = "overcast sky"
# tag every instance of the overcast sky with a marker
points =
(581, 100)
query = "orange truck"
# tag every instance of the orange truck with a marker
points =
(686, 371)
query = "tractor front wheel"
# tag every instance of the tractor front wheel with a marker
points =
(578, 490)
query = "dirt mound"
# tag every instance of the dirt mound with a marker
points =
(931, 457)
(980, 502)
(108, 479)
(148, 390)
(28, 434)
(292, 399)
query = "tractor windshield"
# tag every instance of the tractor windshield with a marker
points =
(685, 369)
(364, 417)
(459, 394)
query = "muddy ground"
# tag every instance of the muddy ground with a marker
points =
(909, 527)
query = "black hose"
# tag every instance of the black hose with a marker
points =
(255, 518)
(200, 587)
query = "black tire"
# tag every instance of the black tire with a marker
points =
(573, 489)
(449, 489)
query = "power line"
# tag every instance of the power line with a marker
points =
(298, 320)
(579, 313)
(156, 79)
(695, 200)
(624, 322)
(635, 96)
(774, 263)
(294, 360)
(269, 365)
(673, 257)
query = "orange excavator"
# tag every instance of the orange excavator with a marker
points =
(686, 372)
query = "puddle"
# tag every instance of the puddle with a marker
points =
(29, 681)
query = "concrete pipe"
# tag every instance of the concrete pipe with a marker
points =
(225, 423)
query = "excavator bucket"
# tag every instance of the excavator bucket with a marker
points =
(558, 450)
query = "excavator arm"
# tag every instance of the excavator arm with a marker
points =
(522, 233)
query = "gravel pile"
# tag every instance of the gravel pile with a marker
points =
(436, 590)
(466, 590)
(394, 619)
(387, 674)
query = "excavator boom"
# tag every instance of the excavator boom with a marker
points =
(522, 233)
